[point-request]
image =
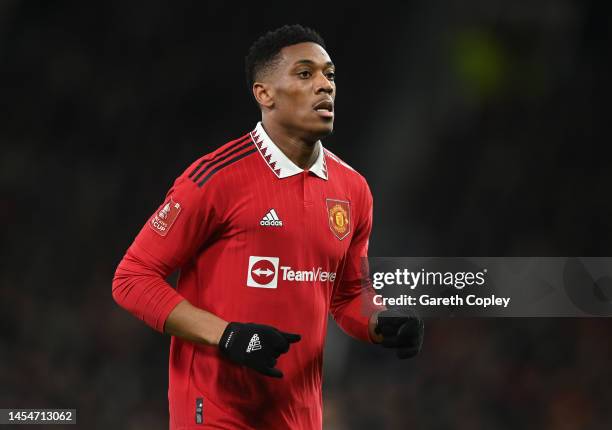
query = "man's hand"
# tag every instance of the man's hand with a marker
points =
(256, 346)
(400, 329)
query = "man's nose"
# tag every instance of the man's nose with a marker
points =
(324, 85)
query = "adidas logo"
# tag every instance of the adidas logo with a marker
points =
(271, 219)
(254, 344)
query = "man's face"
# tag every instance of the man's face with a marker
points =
(303, 91)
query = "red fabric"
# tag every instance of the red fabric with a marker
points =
(211, 240)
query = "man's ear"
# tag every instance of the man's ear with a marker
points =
(263, 94)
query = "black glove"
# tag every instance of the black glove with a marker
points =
(256, 346)
(400, 329)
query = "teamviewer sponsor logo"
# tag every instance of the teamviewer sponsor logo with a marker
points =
(312, 275)
(263, 272)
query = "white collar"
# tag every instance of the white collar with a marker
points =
(278, 162)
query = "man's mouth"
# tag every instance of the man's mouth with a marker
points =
(325, 108)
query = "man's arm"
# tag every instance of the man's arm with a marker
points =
(140, 288)
(352, 306)
(173, 235)
(354, 311)
(195, 325)
(143, 292)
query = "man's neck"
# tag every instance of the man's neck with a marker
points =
(301, 152)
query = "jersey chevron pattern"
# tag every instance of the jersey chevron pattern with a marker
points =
(257, 239)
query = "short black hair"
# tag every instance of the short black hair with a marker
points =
(264, 52)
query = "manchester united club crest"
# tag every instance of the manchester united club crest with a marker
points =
(339, 217)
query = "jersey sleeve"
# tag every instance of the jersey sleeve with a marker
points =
(172, 235)
(352, 303)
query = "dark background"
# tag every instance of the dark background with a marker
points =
(481, 126)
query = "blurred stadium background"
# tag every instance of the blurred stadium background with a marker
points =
(479, 124)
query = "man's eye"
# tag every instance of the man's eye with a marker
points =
(304, 75)
(331, 76)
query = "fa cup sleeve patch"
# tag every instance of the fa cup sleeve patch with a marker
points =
(165, 217)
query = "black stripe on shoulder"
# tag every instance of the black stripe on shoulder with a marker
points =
(229, 147)
(218, 160)
(227, 163)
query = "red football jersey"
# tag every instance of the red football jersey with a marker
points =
(260, 240)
